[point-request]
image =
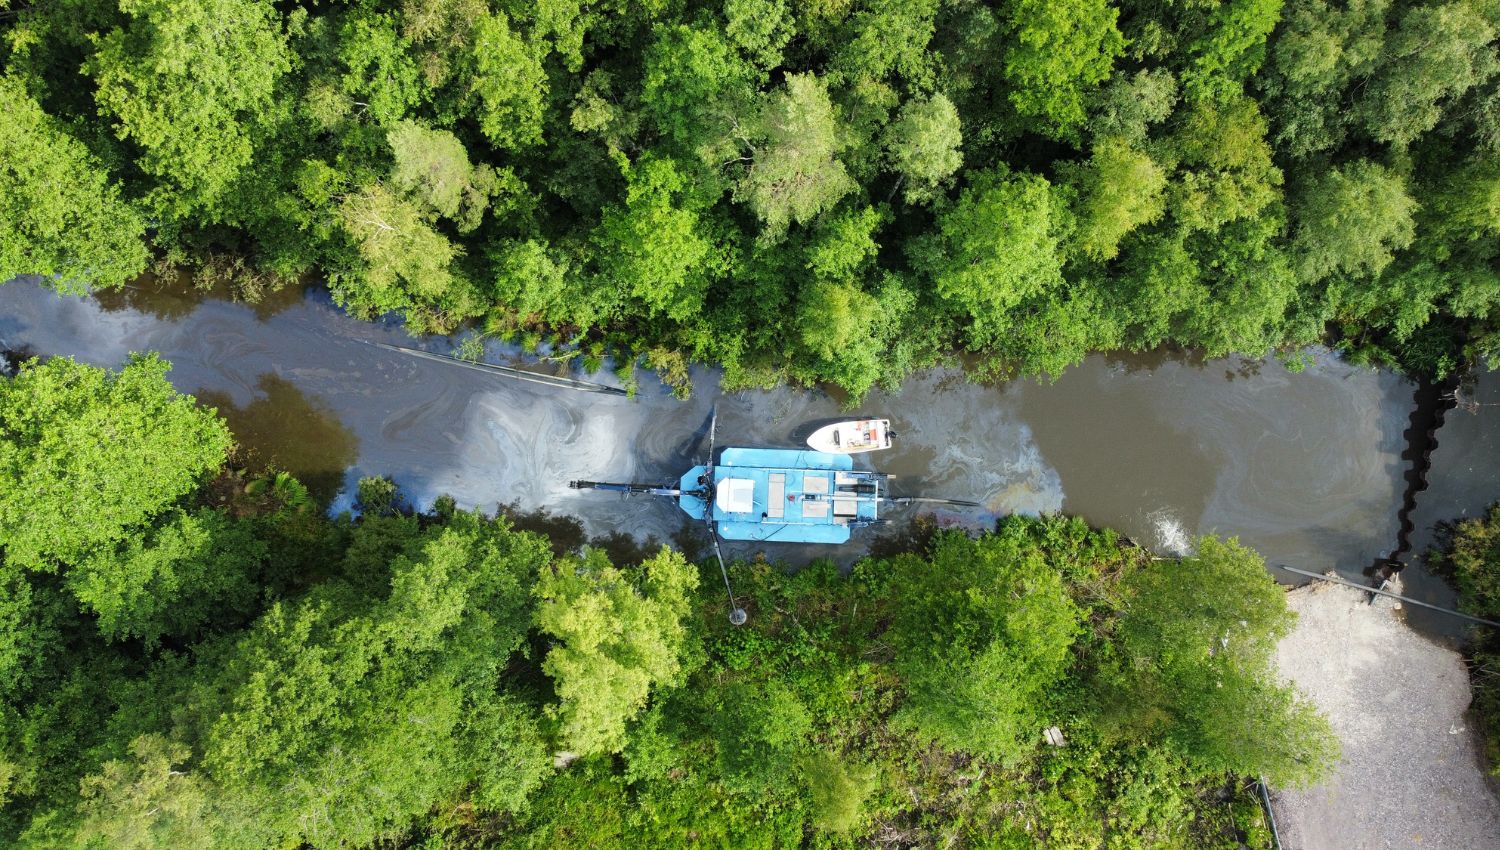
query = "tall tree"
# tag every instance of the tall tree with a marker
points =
(192, 569)
(1435, 56)
(654, 247)
(508, 84)
(982, 630)
(1196, 643)
(1351, 220)
(146, 802)
(66, 219)
(88, 456)
(1119, 189)
(1060, 51)
(337, 720)
(618, 635)
(795, 173)
(697, 92)
(407, 265)
(922, 145)
(434, 167)
(186, 80)
(998, 245)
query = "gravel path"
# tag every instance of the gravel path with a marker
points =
(1410, 774)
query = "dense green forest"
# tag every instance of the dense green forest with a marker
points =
(834, 190)
(194, 656)
(1471, 557)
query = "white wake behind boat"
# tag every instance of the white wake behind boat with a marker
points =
(852, 437)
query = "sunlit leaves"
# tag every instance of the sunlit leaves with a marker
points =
(1230, 45)
(1351, 220)
(65, 219)
(1120, 189)
(1227, 172)
(923, 143)
(1436, 55)
(192, 569)
(697, 91)
(759, 28)
(335, 694)
(382, 81)
(406, 262)
(535, 283)
(996, 246)
(617, 635)
(983, 630)
(1129, 106)
(86, 455)
(185, 80)
(795, 172)
(145, 802)
(434, 166)
(654, 246)
(1060, 52)
(508, 83)
(1197, 640)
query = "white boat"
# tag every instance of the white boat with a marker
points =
(853, 436)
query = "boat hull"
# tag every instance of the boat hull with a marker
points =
(854, 436)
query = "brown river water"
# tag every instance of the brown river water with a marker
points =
(1305, 467)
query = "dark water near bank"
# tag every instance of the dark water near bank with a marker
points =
(1462, 480)
(1305, 467)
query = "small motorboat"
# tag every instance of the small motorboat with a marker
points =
(852, 437)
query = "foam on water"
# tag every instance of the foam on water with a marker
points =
(1171, 538)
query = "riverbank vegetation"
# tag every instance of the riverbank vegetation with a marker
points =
(1471, 557)
(194, 657)
(836, 191)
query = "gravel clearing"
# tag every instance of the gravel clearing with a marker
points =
(1410, 774)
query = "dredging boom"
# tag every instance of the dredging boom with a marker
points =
(627, 489)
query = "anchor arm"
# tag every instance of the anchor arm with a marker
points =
(629, 489)
(911, 500)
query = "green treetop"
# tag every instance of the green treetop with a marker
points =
(88, 456)
(186, 80)
(616, 637)
(64, 217)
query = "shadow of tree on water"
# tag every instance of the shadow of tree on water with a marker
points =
(568, 537)
(284, 429)
(173, 294)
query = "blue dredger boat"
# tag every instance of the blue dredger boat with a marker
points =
(783, 495)
(774, 495)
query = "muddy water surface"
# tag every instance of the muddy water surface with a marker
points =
(1305, 467)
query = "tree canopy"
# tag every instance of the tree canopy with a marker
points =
(66, 219)
(88, 456)
(649, 181)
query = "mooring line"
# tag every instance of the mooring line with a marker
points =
(1407, 599)
(508, 371)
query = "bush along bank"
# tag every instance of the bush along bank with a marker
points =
(1471, 558)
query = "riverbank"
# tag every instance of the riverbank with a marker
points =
(1410, 773)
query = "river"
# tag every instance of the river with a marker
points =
(1304, 466)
